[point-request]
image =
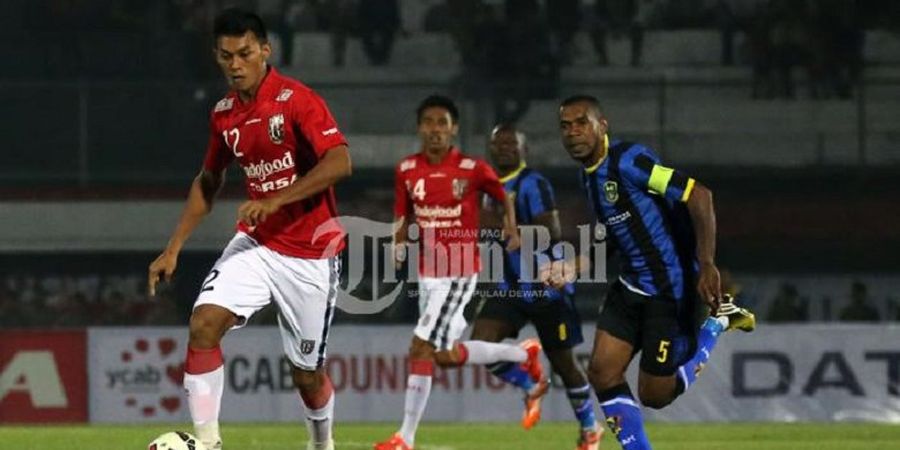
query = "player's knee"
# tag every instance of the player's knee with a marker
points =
(419, 350)
(602, 379)
(204, 331)
(563, 364)
(652, 397)
(487, 333)
(653, 401)
(306, 380)
(208, 324)
(445, 359)
(571, 376)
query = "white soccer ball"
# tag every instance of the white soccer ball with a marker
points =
(176, 440)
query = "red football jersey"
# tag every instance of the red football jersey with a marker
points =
(277, 137)
(445, 198)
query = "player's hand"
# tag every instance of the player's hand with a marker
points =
(399, 255)
(709, 285)
(513, 240)
(161, 268)
(255, 212)
(558, 274)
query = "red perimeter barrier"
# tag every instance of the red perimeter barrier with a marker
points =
(43, 376)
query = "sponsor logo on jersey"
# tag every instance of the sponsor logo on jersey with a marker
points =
(618, 218)
(459, 188)
(426, 224)
(263, 169)
(224, 105)
(434, 212)
(467, 163)
(284, 95)
(276, 128)
(273, 185)
(252, 121)
(611, 191)
(407, 165)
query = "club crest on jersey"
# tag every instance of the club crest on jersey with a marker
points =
(307, 346)
(611, 191)
(459, 188)
(276, 128)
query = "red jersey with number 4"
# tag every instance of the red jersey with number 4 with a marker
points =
(276, 138)
(445, 200)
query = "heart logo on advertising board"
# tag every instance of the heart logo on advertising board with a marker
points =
(170, 404)
(175, 374)
(166, 346)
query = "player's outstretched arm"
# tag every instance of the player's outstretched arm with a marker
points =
(703, 216)
(550, 221)
(333, 167)
(198, 205)
(401, 232)
(510, 227)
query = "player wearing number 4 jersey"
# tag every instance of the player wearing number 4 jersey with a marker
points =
(440, 189)
(289, 147)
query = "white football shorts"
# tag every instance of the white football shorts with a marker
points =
(441, 305)
(248, 276)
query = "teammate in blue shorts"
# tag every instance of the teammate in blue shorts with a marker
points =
(511, 304)
(662, 223)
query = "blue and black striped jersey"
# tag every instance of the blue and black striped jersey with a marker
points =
(532, 195)
(643, 206)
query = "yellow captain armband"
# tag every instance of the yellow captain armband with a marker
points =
(659, 179)
(687, 190)
(662, 177)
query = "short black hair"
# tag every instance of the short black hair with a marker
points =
(438, 101)
(509, 127)
(584, 98)
(237, 22)
(505, 126)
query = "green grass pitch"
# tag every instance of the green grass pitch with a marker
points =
(493, 436)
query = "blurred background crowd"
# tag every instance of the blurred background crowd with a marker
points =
(786, 108)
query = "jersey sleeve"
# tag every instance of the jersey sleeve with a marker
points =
(314, 120)
(218, 155)
(489, 182)
(539, 197)
(646, 172)
(401, 194)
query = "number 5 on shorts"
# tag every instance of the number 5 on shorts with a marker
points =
(663, 354)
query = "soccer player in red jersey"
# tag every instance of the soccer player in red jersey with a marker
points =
(440, 188)
(292, 153)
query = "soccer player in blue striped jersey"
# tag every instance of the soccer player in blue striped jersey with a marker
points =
(662, 223)
(514, 302)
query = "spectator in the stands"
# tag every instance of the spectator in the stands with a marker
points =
(787, 306)
(525, 66)
(621, 17)
(379, 24)
(339, 17)
(860, 308)
(564, 17)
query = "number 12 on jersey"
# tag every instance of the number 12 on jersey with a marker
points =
(236, 134)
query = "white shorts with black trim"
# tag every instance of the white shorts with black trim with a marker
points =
(248, 276)
(441, 305)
